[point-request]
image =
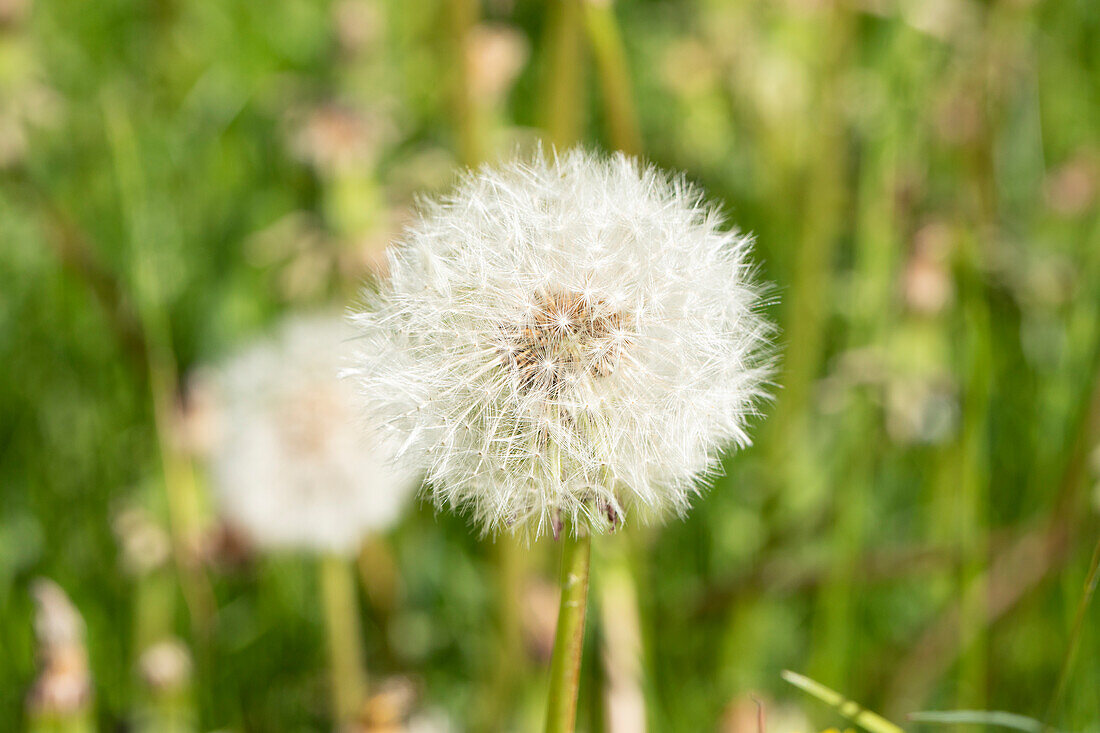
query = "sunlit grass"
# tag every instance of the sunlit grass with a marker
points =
(915, 525)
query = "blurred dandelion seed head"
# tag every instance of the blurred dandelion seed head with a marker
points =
(335, 138)
(64, 684)
(143, 543)
(293, 467)
(13, 12)
(358, 25)
(1071, 188)
(495, 55)
(565, 338)
(165, 666)
(57, 623)
(389, 705)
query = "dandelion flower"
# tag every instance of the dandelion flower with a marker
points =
(566, 339)
(293, 467)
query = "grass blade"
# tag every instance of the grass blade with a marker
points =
(1075, 635)
(980, 717)
(851, 710)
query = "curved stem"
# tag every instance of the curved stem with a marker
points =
(349, 678)
(565, 669)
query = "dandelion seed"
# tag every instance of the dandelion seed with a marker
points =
(566, 339)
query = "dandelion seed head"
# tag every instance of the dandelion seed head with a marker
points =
(565, 338)
(165, 666)
(293, 467)
(63, 686)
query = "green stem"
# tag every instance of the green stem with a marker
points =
(1075, 635)
(181, 491)
(561, 709)
(562, 83)
(349, 678)
(612, 71)
(462, 16)
(80, 722)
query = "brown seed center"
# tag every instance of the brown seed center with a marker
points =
(563, 337)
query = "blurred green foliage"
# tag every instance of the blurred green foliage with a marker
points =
(915, 523)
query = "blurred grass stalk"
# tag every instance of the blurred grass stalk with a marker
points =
(181, 488)
(1075, 637)
(75, 723)
(819, 185)
(822, 186)
(970, 483)
(155, 599)
(961, 491)
(613, 74)
(508, 557)
(509, 560)
(877, 248)
(809, 304)
(562, 98)
(462, 15)
(850, 709)
(163, 663)
(347, 673)
(620, 623)
(964, 485)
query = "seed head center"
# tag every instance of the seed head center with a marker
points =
(563, 336)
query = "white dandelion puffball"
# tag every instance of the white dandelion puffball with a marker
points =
(292, 465)
(571, 338)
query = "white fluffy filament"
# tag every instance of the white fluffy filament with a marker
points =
(567, 338)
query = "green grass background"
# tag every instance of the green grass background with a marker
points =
(915, 522)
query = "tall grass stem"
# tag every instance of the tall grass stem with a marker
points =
(462, 15)
(613, 74)
(1075, 635)
(561, 97)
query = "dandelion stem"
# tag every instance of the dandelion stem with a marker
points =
(565, 668)
(349, 678)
